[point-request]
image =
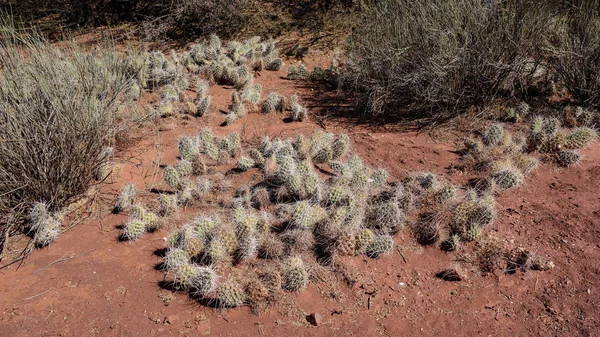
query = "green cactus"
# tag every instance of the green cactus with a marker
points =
(174, 258)
(292, 72)
(167, 204)
(360, 179)
(185, 275)
(380, 245)
(245, 163)
(355, 163)
(247, 248)
(125, 198)
(274, 64)
(552, 143)
(273, 103)
(204, 282)
(551, 126)
(206, 136)
(536, 125)
(202, 106)
(47, 230)
(134, 229)
(579, 138)
(337, 167)
(363, 240)
(524, 163)
(336, 194)
(472, 233)
(298, 113)
(230, 295)
(137, 211)
(150, 221)
(445, 194)
(322, 156)
(318, 214)
(312, 186)
(493, 135)
(203, 226)
(388, 215)
(212, 151)
(257, 157)
(295, 275)
(184, 168)
(340, 146)
(171, 177)
(216, 250)
(302, 216)
(508, 178)
(567, 158)
(272, 281)
(379, 177)
(38, 213)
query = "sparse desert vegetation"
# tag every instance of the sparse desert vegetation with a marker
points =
(331, 167)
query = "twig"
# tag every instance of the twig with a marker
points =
(40, 294)
(62, 260)
(400, 252)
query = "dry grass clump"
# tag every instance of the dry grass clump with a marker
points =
(58, 112)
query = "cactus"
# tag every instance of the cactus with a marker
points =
(340, 146)
(272, 281)
(472, 233)
(204, 282)
(445, 194)
(322, 156)
(355, 163)
(185, 275)
(379, 177)
(48, 229)
(274, 64)
(216, 251)
(202, 107)
(388, 216)
(567, 158)
(336, 194)
(359, 180)
(257, 157)
(482, 215)
(175, 257)
(298, 113)
(508, 178)
(247, 248)
(245, 163)
(524, 163)
(273, 103)
(150, 221)
(134, 229)
(427, 181)
(551, 126)
(230, 294)
(302, 216)
(125, 198)
(363, 240)
(493, 135)
(212, 151)
(461, 216)
(184, 168)
(167, 204)
(337, 167)
(37, 214)
(187, 148)
(579, 138)
(295, 275)
(312, 186)
(171, 177)
(346, 243)
(380, 245)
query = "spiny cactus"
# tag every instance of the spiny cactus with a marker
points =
(379, 177)
(322, 156)
(524, 163)
(185, 275)
(47, 230)
(312, 186)
(579, 138)
(230, 294)
(38, 213)
(472, 233)
(450, 244)
(272, 280)
(340, 146)
(171, 177)
(380, 245)
(346, 243)
(151, 222)
(202, 106)
(257, 157)
(174, 258)
(360, 179)
(508, 178)
(493, 135)
(336, 194)
(567, 158)
(216, 251)
(245, 163)
(187, 148)
(247, 248)
(355, 163)
(252, 94)
(184, 168)
(205, 281)
(445, 194)
(295, 275)
(298, 112)
(550, 126)
(134, 229)
(302, 216)
(125, 198)
(273, 64)
(552, 143)
(137, 211)
(273, 103)
(167, 204)
(363, 240)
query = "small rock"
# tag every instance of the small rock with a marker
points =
(171, 319)
(314, 319)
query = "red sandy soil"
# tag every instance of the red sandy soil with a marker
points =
(88, 283)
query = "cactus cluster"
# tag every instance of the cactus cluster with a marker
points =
(125, 199)
(294, 275)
